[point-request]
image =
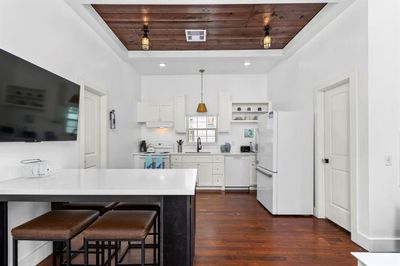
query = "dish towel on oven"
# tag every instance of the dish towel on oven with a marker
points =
(159, 162)
(148, 162)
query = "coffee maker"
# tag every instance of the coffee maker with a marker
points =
(143, 146)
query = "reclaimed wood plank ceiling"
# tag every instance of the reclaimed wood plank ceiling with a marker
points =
(229, 27)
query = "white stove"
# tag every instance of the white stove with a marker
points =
(161, 150)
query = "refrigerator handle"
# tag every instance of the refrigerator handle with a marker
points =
(262, 171)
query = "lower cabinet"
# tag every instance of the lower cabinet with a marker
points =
(210, 168)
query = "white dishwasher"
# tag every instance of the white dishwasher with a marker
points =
(237, 171)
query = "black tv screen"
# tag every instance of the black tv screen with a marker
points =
(35, 104)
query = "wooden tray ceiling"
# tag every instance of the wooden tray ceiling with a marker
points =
(229, 27)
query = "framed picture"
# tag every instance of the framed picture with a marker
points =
(249, 133)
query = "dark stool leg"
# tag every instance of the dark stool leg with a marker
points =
(143, 254)
(54, 256)
(159, 237)
(97, 253)
(15, 252)
(85, 254)
(109, 253)
(154, 243)
(68, 251)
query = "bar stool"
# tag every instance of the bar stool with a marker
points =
(56, 226)
(101, 207)
(133, 206)
(117, 226)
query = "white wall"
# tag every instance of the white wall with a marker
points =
(163, 88)
(48, 33)
(339, 49)
(384, 118)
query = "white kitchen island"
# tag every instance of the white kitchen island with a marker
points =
(173, 189)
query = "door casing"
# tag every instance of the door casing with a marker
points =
(103, 126)
(319, 153)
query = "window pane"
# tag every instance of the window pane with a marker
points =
(211, 122)
(202, 122)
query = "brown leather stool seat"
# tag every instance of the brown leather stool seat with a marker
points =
(101, 207)
(58, 225)
(121, 226)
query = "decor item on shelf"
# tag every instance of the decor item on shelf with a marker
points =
(255, 117)
(112, 119)
(225, 147)
(248, 109)
(267, 38)
(201, 108)
(180, 142)
(145, 38)
(238, 118)
(259, 109)
(249, 133)
(222, 148)
(239, 109)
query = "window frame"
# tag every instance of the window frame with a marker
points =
(189, 128)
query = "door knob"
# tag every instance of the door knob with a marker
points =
(325, 160)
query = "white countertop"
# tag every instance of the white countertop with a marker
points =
(105, 182)
(378, 259)
(202, 153)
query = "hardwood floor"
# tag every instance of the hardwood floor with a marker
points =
(234, 229)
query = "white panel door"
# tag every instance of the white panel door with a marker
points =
(92, 130)
(337, 170)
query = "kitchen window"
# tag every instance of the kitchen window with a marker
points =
(204, 127)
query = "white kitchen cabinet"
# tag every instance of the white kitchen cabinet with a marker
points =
(210, 168)
(180, 114)
(152, 113)
(148, 112)
(205, 174)
(141, 112)
(166, 113)
(224, 112)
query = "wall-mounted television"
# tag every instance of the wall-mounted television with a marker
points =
(35, 104)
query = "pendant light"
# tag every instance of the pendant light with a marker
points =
(145, 38)
(201, 108)
(267, 38)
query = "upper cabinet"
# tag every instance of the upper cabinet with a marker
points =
(224, 112)
(180, 113)
(153, 113)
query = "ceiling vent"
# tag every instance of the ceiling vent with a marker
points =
(196, 35)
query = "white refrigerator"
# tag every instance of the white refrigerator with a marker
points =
(285, 163)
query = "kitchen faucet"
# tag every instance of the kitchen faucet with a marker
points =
(199, 147)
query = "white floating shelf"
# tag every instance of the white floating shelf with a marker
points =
(244, 121)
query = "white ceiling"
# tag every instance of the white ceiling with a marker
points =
(215, 62)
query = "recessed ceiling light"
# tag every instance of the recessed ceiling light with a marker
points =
(247, 64)
(162, 65)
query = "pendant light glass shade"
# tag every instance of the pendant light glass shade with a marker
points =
(145, 39)
(202, 108)
(267, 40)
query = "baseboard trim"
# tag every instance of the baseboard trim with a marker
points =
(377, 244)
(37, 255)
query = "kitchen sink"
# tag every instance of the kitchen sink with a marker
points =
(197, 152)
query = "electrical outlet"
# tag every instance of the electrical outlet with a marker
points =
(388, 160)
